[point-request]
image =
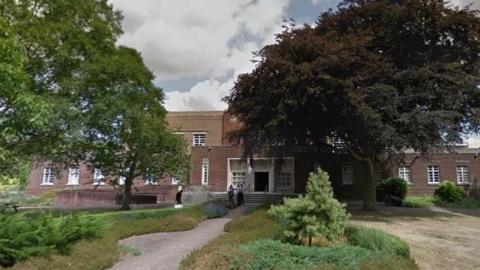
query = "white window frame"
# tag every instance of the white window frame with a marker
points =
(205, 171)
(98, 177)
(347, 174)
(236, 175)
(463, 175)
(283, 180)
(405, 173)
(433, 174)
(175, 180)
(199, 139)
(48, 176)
(73, 176)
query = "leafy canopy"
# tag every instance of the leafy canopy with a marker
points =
(382, 75)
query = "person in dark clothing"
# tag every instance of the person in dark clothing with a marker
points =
(231, 194)
(240, 198)
(178, 197)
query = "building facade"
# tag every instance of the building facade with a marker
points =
(216, 164)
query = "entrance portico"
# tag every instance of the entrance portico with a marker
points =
(262, 175)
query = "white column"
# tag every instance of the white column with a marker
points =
(271, 178)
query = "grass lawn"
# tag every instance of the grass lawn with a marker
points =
(251, 242)
(428, 201)
(103, 252)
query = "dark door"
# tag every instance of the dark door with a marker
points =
(261, 181)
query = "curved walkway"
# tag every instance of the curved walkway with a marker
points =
(166, 250)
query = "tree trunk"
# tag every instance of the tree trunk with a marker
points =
(370, 187)
(127, 187)
(126, 196)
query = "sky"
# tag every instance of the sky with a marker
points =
(196, 49)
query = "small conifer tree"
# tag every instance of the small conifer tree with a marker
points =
(317, 214)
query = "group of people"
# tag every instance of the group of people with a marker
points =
(240, 196)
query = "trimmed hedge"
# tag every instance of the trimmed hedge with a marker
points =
(392, 191)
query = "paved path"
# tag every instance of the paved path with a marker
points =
(166, 250)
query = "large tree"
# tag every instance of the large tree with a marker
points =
(54, 41)
(124, 133)
(384, 76)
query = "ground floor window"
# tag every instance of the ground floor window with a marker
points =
(48, 176)
(98, 177)
(205, 171)
(433, 174)
(404, 173)
(463, 176)
(283, 180)
(347, 175)
(238, 178)
(73, 176)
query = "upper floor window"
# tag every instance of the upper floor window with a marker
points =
(347, 175)
(404, 173)
(433, 174)
(73, 176)
(338, 142)
(98, 177)
(48, 176)
(463, 176)
(199, 139)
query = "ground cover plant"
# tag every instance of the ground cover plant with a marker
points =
(104, 251)
(253, 242)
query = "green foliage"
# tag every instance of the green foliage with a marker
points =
(269, 254)
(23, 237)
(419, 202)
(393, 191)
(377, 241)
(243, 229)
(448, 191)
(318, 214)
(373, 73)
(215, 209)
(85, 253)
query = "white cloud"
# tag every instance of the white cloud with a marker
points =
(204, 96)
(207, 38)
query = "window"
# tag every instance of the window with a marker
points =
(404, 173)
(48, 176)
(205, 171)
(283, 180)
(73, 176)
(238, 178)
(199, 139)
(433, 175)
(463, 176)
(175, 181)
(150, 179)
(347, 175)
(121, 180)
(98, 178)
(338, 142)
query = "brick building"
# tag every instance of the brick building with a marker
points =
(216, 164)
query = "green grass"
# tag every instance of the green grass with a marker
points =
(428, 201)
(103, 252)
(377, 241)
(419, 202)
(251, 242)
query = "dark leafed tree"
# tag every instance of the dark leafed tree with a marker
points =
(385, 76)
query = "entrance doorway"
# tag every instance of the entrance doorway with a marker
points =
(261, 181)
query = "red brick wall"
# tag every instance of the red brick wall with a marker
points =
(35, 186)
(447, 164)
